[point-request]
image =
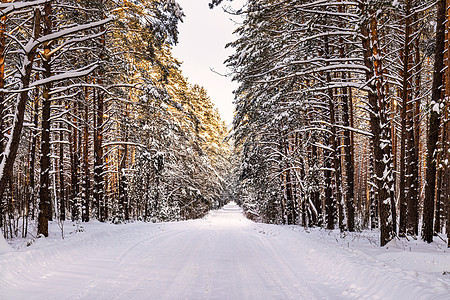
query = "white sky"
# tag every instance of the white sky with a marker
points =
(201, 46)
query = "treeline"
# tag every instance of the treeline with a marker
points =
(97, 120)
(342, 114)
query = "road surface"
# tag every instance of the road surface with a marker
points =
(223, 256)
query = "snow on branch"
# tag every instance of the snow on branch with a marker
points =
(63, 76)
(8, 8)
(119, 143)
(32, 44)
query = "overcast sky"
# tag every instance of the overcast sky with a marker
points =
(203, 36)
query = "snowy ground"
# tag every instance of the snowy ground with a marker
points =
(223, 256)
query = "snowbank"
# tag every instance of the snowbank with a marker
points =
(4, 246)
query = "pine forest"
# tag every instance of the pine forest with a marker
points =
(342, 115)
(341, 126)
(97, 119)
(331, 181)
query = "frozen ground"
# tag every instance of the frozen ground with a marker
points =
(223, 256)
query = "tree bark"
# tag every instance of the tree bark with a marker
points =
(75, 186)
(335, 154)
(290, 204)
(8, 156)
(44, 190)
(349, 168)
(62, 189)
(413, 137)
(99, 186)
(379, 125)
(32, 185)
(348, 143)
(123, 184)
(86, 180)
(98, 158)
(2, 96)
(433, 130)
(406, 100)
(330, 205)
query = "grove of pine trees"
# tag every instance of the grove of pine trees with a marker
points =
(97, 121)
(342, 114)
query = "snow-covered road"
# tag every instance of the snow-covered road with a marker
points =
(223, 256)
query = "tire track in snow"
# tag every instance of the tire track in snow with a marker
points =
(223, 256)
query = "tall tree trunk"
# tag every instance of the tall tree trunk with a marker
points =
(98, 158)
(62, 189)
(2, 96)
(86, 175)
(446, 133)
(99, 186)
(349, 167)
(446, 176)
(442, 170)
(379, 125)
(74, 187)
(8, 157)
(337, 167)
(348, 142)
(442, 193)
(80, 160)
(446, 154)
(32, 185)
(123, 184)
(414, 137)
(406, 100)
(44, 190)
(433, 131)
(335, 154)
(412, 169)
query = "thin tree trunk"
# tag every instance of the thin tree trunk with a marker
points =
(337, 168)
(446, 162)
(349, 168)
(123, 184)
(406, 99)
(98, 158)
(86, 180)
(34, 131)
(433, 131)
(413, 205)
(335, 154)
(330, 212)
(291, 217)
(62, 190)
(2, 97)
(99, 186)
(412, 169)
(74, 187)
(348, 143)
(80, 160)
(336, 161)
